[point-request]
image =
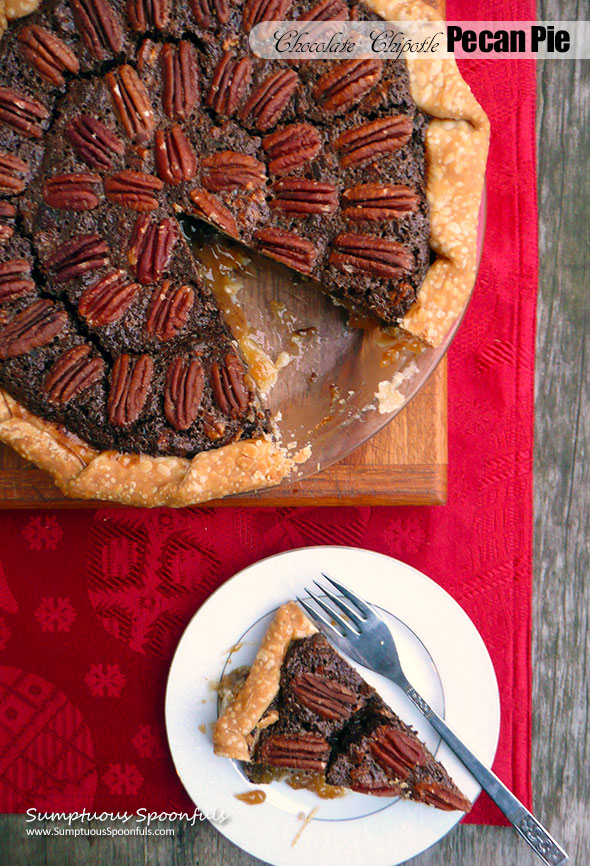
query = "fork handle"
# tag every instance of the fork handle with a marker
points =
(523, 821)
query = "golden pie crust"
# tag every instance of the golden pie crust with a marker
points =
(457, 141)
(232, 734)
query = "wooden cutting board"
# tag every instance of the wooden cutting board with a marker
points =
(404, 464)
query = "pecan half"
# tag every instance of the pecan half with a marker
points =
(373, 788)
(150, 247)
(324, 696)
(295, 751)
(108, 299)
(180, 76)
(345, 84)
(373, 140)
(47, 53)
(434, 794)
(232, 170)
(229, 386)
(12, 173)
(269, 100)
(206, 12)
(291, 147)
(210, 208)
(7, 210)
(131, 378)
(23, 114)
(326, 10)
(99, 27)
(287, 247)
(397, 752)
(14, 280)
(71, 374)
(169, 310)
(229, 84)
(75, 191)
(148, 14)
(368, 254)
(93, 142)
(377, 201)
(298, 196)
(175, 158)
(132, 103)
(33, 327)
(6, 232)
(77, 256)
(185, 380)
(133, 189)
(256, 11)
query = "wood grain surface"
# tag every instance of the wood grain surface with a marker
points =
(561, 634)
(404, 464)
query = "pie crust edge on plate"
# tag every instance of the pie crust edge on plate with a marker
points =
(456, 144)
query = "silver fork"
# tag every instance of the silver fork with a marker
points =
(364, 636)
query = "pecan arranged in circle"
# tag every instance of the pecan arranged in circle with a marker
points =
(434, 794)
(296, 751)
(360, 783)
(206, 12)
(133, 189)
(99, 27)
(6, 232)
(298, 196)
(228, 384)
(185, 380)
(132, 103)
(396, 751)
(175, 158)
(377, 201)
(15, 280)
(229, 84)
(148, 14)
(75, 191)
(180, 76)
(373, 140)
(367, 254)
(287, 247)
(169, 310)
(33, 327)
(210, 208)
(47, 53)
(326, 10)
(150, 247)
(12, 173)
(108, 299)
(256, 11)
(23, 114)
(324, 696)
(131, 378)
(345, 84)
(93, 142)
(269, 100)
(291, 147)
(74, 372)
(78, 255)
(232, 170)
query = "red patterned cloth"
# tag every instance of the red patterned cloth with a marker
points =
(93, 603)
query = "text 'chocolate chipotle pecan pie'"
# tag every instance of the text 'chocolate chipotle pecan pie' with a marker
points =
(301, 708)
(118, 371)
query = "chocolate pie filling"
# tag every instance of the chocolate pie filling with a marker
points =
(117, 117)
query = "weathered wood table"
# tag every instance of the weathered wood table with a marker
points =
(561, 637)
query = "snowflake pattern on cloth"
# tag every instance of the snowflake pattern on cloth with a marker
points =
(105, 680)
(135, 578)
(55, 614)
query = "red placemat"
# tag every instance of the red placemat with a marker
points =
(92, 604)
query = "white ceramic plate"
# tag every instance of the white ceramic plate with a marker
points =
(443, 656)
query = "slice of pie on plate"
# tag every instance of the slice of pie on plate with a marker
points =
(302, 707)
(118, 372)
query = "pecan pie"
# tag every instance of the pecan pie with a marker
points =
(302, 708)
(118, 372)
